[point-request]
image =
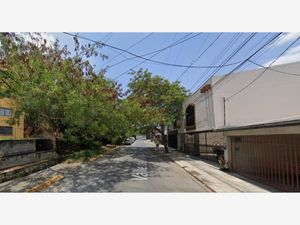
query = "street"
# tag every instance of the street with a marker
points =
(134, 168)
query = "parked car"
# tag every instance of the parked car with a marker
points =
(132, 139)
(128, 141)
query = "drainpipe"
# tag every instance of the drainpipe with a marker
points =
(224, 105)
(205, 146)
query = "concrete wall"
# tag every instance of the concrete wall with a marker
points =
(18, 129)
(272, 97)
(20, 152)
(13, 147)
(7, 162)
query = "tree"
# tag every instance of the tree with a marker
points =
(160, 101)
(58, 91)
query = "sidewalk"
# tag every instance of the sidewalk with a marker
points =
(213, 179)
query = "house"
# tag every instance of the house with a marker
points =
(7, 131)
(250, 118)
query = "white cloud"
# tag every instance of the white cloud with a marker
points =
(48, 37)
(292, 55)
(287, 37)
(293, 50)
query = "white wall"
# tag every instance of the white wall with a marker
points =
(272, 97)
(204, 118)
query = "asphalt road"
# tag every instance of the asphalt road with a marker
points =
(136, 168)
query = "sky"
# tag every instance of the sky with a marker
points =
(155, 15)
(201, 49)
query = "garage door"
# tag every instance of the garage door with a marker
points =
(270, 159)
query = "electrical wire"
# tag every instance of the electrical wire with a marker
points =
(179, 41)
(198, 57)
(265, 69)
(256, 56)
(147, 59)
(219, 57)
(177, 55)
(127, 71)
(247, 40)
(106, 36)
(109, 36)
(131, 46)
(169, 53)
(269, 42)
(279, 71)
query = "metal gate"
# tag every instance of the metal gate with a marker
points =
(191, 143)
(270, 159)
(172, 139)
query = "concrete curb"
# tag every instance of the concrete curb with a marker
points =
(45, 184)
(212, 179)
(192, 173)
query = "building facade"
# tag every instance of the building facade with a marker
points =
(7, 131)
(250, 121)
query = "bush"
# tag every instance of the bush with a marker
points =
(85, 154)
(93, 145)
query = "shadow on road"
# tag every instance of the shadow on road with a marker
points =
(103, 175)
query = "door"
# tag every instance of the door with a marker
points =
(270, 159)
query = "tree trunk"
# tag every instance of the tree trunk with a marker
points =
(165, 139)
(165, 143)
(55, 140)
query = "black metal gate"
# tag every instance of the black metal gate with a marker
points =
(191, 144)
(270, 159)
(172, 139)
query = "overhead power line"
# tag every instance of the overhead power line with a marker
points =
(179, 41)
(219, 57)
(246, 60)
(239, 48)
(169, 52)
(147, 59)
(150, 58)
(106, 36)
(272, 69)
(131, 46)
(255, 57)
(265, 69)
(269, 42)
(195, 60)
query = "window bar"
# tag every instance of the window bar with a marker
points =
(291, 161)
(296, 162)
(287, 165)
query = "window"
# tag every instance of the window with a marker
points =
(6, 130)
(190, 115)
(5, 112)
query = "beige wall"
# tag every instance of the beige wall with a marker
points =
(18, 129)
(272, 97)
(265, 131)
